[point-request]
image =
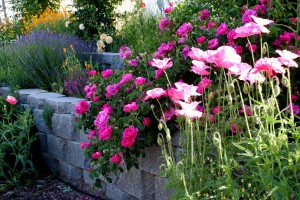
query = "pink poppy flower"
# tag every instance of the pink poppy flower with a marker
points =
(197, 54)
(203, 84)
(213, 43)
(155, 93)
(271, 65)
(186, 91)
(96, 155)
(130, 107)
(222, 29)
(250, 29)
(82, 107)
(162, 64)
(12, 100)
(199, 68)
(104, 133)
(287, 58)
(188, 110)
(254, 77)
(107, 73)
(242, 70)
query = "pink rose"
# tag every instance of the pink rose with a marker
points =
(164, 23)
(113, 89)
(82, 107)
(127, 141)
(95, 99)
(106, 107)
(201, 39)
(133, 62)
(96, 155)
(92, 133)
(140, 80)
(222, 29)
(105, 132)
(82, 145)
(12, 100)
(217, 109)
(204, 14)
(130, 107)
(107, 73)
(129, 135)
(159, 73)
(184, 29)
(101, 119)
(146, 121)
(213, 43)
(92, 72)
(125, 52)
(117, 158)
(126, 78)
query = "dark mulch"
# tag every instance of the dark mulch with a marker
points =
(45, 189)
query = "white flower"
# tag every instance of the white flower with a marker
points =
(81, 27)
(109, 40)
(100, 43)
(103, 36)
(100, 49)
(68, 23)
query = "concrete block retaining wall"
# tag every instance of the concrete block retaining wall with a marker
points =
(60, 147)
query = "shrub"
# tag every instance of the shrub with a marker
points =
(40, 56)
(16, 139)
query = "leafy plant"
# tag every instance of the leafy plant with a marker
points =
(16, 139)
(47, 115)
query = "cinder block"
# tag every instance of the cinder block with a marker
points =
(160, 192)
(114, 193)
(40, 122)
(153, 160)
(42, 139)
(63, 125)
(63, 105)
(37, 100)
(75, 155)
(24, 93)
(57, 147)
(71, 173)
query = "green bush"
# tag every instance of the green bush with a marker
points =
(16, 139)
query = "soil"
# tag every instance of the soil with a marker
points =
(45, 189)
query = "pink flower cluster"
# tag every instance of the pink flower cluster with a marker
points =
(125, 52)
(82, 107)
(129, 135)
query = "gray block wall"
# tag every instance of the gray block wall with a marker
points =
(60, 146)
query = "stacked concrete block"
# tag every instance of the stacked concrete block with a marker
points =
(60, 147)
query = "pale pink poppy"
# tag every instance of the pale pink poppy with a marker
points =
(197, 54)
(162, 64)
(287, 58)
(188, 110)
(242, 70)
(155, 93)
(186, 90)
(250, 29)
(199, 68)
(271, 65)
